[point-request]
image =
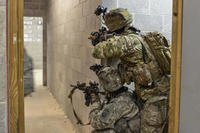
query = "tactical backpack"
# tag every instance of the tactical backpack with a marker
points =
(158, 45)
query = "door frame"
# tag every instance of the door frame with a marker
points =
(175, 85)
(15, 58)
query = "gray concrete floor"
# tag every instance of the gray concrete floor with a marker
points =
(43, 114)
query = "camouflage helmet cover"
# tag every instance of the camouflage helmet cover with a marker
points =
(117, 19)
(110, 79)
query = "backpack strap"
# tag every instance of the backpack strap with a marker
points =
(144, 53)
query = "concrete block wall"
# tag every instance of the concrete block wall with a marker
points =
(149, 15)
(35, 7)
(69, 24)
(3, 79)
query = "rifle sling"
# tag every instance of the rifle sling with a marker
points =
(79, 121)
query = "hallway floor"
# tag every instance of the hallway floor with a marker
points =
(43, 114)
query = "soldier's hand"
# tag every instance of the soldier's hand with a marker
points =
(94, 98)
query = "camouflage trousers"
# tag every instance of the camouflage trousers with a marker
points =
(124, 126)
(152, 119)
(154, 116)
(120, 115)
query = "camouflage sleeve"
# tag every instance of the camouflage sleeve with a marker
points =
(117, 46)
(112, 112)
(107, 49)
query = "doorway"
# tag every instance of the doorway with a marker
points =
(42, 113)
(33, 53)
(16, 113)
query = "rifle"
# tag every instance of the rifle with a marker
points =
(99, 36)
(96, 68)
(91, 96)
(89, 91)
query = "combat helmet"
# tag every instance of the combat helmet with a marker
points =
(117, 19)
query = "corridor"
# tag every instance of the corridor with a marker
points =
(43, 114)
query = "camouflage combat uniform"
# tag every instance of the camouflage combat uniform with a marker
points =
(138, 64)
(150, 82)
(120, 113)
(120, 107)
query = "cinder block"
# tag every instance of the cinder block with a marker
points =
(3, 78)
(2, 14)
(87, 8)
(66, 49)
(160, 7)
(81, 1)
(94, 4)
(2, 127)
(60, 33)
(3, 82)
(2, 2)
(82, 23)
(76, 26)
(75, 3)
(2, 111)
(76, 76)
(61, 18)
(91, 22)
(148, 22)
(2, 25)
(135, 6)
(167, 23)
(79, 11)
(69, 76)
(76, 64)
(110, 4)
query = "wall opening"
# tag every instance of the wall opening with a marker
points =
(33, 53)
